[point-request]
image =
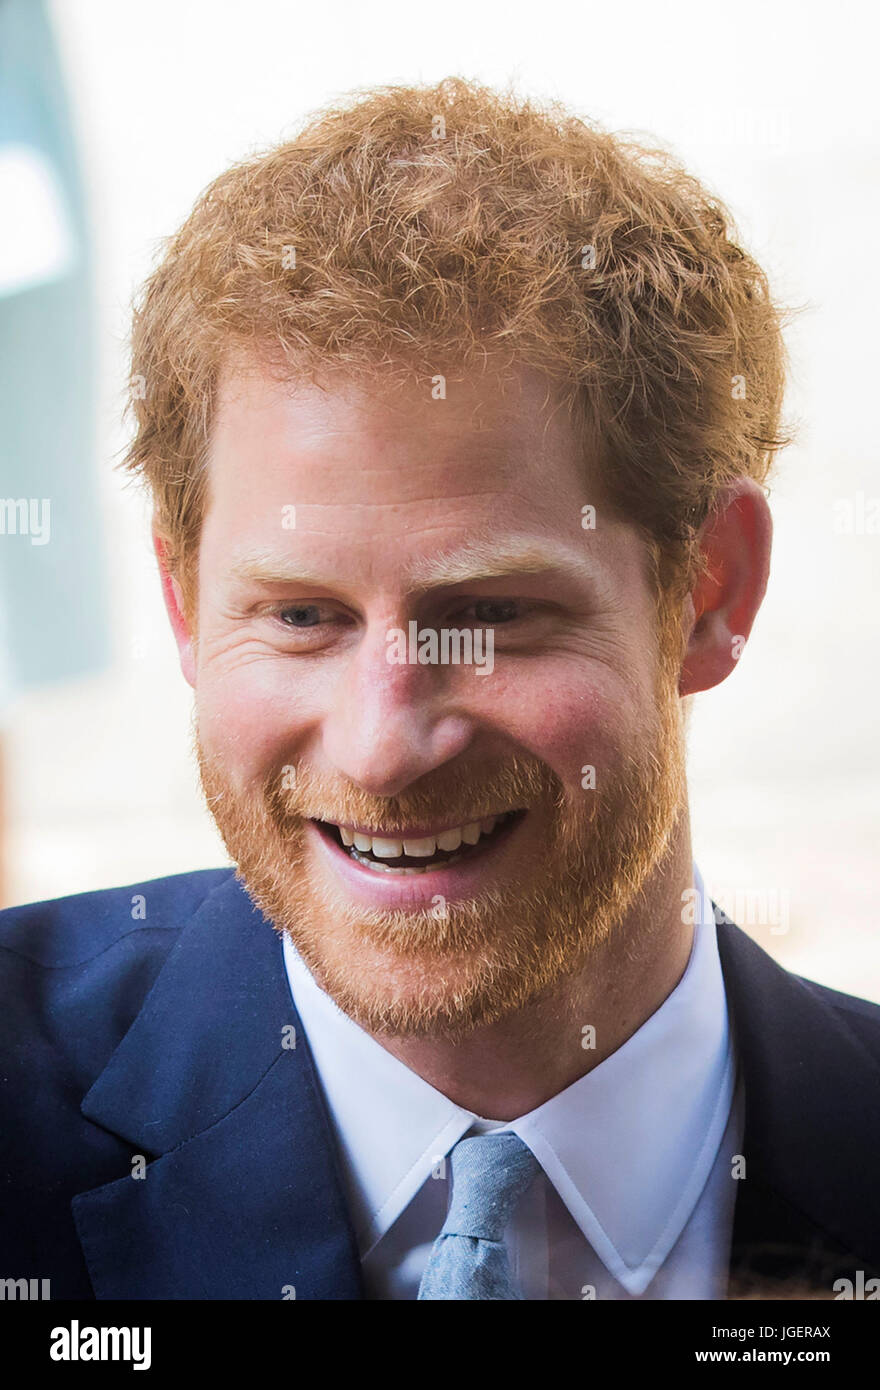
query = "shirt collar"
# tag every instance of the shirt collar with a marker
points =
(660, 1103)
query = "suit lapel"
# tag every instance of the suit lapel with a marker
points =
(241, 1195)
(807, 1211)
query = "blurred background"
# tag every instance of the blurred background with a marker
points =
(113, 116)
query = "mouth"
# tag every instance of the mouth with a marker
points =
(415, 852)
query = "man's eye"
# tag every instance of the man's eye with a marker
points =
(301, 615)
(495, 610)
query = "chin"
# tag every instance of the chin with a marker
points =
(394, 993)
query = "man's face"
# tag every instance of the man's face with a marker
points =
(494, 860)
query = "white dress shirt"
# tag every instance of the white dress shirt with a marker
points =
(636, 1195)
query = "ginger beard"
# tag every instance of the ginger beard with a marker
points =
(460, 965)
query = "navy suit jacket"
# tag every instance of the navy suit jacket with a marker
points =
(143, 1029)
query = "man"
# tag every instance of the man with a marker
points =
(456, 415)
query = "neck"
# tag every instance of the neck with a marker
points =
(508, 1068)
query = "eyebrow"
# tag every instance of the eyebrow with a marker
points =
(467, 565)
(479, 561)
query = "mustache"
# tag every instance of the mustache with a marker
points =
(294, 795)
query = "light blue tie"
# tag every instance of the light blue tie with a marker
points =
(469, 1260)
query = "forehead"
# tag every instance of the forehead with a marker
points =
(397, 472)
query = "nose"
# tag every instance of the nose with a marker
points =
(390, 724)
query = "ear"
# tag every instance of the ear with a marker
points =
(736, 540)
(174, 605)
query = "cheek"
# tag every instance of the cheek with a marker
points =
(248, 718)
(570, 718)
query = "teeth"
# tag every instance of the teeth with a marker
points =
(450, 839)
(423, 847)
(377, 868)
(420, 849)
(387, 849)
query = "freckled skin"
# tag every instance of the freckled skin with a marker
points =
(381, 484)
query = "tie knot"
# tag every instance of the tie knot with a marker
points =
(490, 1173)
